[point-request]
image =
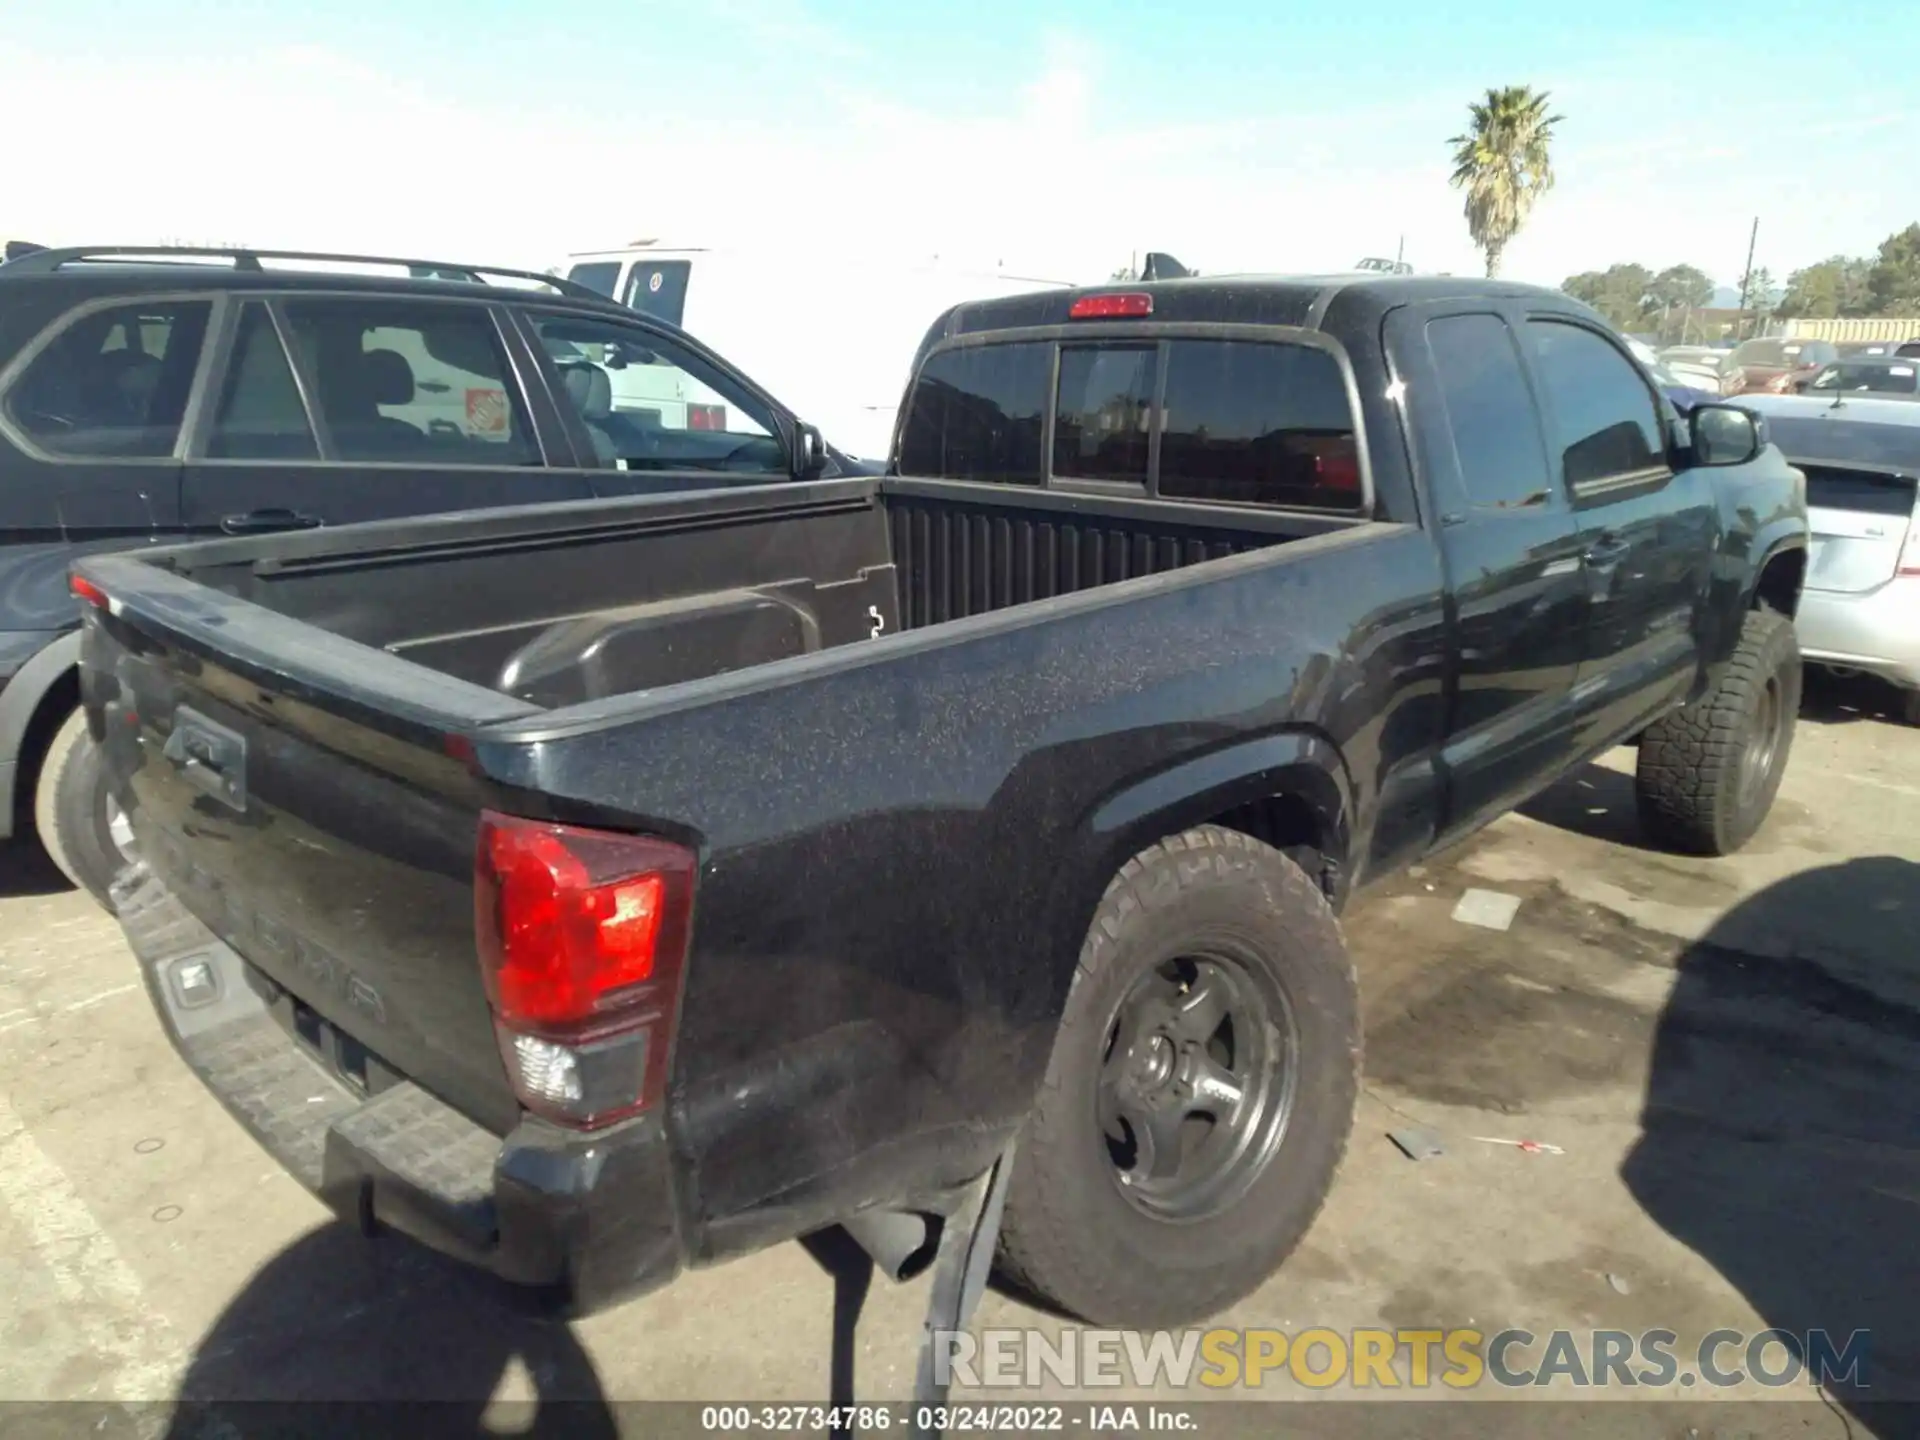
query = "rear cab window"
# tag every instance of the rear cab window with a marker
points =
(1234, 421)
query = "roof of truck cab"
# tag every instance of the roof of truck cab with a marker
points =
(1246, 299)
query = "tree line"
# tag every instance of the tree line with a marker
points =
(1635, 298)
(1888, 283)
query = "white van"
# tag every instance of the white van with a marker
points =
(832, 337)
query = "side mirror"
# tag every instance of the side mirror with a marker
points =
(1723, 435)
(810, 453)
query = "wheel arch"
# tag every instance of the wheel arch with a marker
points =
(1780, 578)
(39, 697)
(1288, 789)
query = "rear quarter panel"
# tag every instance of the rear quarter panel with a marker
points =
(902, 842)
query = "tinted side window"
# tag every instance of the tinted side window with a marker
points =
(1101, 425)
(1258, 423)
(976, 414)
(1490, 411)
(261, 415)
(113, 383)
(599, 276)
(646, 405)
(660, 289)
(1602, 409)
(410, 383)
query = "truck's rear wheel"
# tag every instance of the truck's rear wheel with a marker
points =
(1708, 773)
(1200, 1093)
(79, 822)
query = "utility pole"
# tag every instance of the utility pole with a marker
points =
(1746, 276)
(1400, 254)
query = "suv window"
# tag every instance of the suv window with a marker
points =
(659, 289)
(648, 405)
(976, 414)
(1102, 423)
(1257, 422)
(261, 414)
(1491, 413)
(1602, 408)
(411, 382)
(113, 383)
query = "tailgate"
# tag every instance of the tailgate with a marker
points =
(315, 822)
(1860, 519)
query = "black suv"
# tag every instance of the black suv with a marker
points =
(151, 395)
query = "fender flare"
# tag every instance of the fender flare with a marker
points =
(1776, 547)
(1303, 763)
(21, 701)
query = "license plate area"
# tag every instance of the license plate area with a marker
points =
(338, 1052)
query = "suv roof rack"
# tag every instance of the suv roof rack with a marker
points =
(46, 261)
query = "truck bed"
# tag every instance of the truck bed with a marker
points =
(306, 729)
(563, 604)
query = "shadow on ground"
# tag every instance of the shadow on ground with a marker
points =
(1781, 1133)
(384, 1338)
(1593, 801)
(26, 870)
(1838, 699)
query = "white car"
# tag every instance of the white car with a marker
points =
(833, 336)
(1695, 365)
(1860, 610)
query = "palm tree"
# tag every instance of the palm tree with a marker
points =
(1503, 165)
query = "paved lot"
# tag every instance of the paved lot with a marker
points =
(1727, 1053)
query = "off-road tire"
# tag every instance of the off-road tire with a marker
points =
(69, 810)
(1688, 780)
(1069, 1235)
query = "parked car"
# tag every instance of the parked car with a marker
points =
(657, 879)
(149, 399)
(1683, 395)
(1869, 349)
(1774, 367)
(1861, 608)
(832, 333)
(1696, 366)
(1893, 378)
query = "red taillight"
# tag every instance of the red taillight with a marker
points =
(1111, 307)
(86, 590)
(582, 934)
(706, 417)
(1910, 552)
(1338, 472)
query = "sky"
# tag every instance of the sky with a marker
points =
(1057, 139)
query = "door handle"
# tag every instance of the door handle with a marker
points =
(432, 387)
(1607, 550)
(256, 522)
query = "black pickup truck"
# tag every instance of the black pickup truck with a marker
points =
(596, 889)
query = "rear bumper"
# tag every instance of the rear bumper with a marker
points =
(588, 1219)
(1877, 631)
